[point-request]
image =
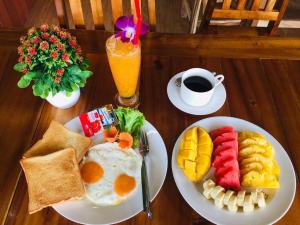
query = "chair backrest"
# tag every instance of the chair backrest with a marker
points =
(106, 9)
(162, 15)
(272, 11)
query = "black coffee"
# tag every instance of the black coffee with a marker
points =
(197, 84)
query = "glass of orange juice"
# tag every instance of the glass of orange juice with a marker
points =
(125, 61)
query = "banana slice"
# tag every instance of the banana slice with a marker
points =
(240, 198)
(261, 200)
(254, 196)
(227, 196)
(219, 200)
(208, 184)
(216, 191)
(207, 192)
(248, 204)
(232, 204)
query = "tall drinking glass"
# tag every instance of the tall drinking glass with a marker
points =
(125, 62)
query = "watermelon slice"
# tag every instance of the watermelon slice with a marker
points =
(230, 180)
(231, 136)
(221, 130)
(222, 170)
(226, 145)
(227, 172)
(223, 156)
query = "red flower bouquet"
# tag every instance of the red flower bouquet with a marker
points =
(52, 59)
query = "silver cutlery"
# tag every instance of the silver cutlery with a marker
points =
(144, 150)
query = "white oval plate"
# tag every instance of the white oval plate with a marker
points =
(216, 102)
(276, 207)
(85, 212)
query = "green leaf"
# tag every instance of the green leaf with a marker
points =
(86, 74)
(74, 86)
(74, 70)
(19, 67)
(54, 91)
(81, 84)
(31, 75)
(31, 67)
(85, 64)
(45, 94)
(68, 93)
(24, 81)
(37, 91)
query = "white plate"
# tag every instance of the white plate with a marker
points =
(216, 102)
(85, 212)
(276, 207)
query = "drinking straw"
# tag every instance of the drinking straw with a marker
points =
(139, 22)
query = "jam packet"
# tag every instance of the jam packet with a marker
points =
(98, 119)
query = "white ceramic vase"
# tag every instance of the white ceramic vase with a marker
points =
(62, 101)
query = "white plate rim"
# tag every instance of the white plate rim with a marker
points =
(268, 136)
(196, 110)
(148, 127)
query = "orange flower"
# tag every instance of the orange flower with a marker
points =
(20, 59)
(27, 60)
(57, 80)
(45, 36)
(32, 51)
(65, 56)
(20, 50)
(36, 40)
(31, 30)
(44, 45)
(53, 39)
(44, 27)
(72, 43)
(54, 54)
(60, 46)
(60, 72)
(25, 70)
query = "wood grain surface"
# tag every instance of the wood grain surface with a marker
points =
(263, 91)
(228, 45)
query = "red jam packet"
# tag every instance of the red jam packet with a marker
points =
(94, 121)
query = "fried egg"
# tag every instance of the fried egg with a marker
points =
(110, 174)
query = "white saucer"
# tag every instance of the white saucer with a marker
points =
(216, 102)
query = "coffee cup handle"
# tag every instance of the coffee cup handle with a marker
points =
(219, 79)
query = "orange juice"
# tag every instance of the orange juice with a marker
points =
(125, 62)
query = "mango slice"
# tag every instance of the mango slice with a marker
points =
(194, 155)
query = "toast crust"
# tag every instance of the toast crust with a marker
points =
(52, 178)
(58, 137)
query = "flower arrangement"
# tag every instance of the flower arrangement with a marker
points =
(52, 59)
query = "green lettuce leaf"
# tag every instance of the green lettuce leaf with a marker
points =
(131, 121)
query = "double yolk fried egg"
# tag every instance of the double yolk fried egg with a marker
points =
(110, 174)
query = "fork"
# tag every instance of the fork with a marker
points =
(144, 150)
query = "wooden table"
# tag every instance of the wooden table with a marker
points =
(263, 91)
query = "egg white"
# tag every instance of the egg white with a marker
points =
(114, 162)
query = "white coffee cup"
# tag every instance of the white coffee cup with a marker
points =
(195, 98)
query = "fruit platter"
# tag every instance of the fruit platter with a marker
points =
(226, 167)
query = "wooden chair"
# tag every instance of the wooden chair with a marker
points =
(162, 15)
(89, 24)
(272, 11)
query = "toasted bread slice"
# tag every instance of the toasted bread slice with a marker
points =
(52, 178)
(58, 137)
